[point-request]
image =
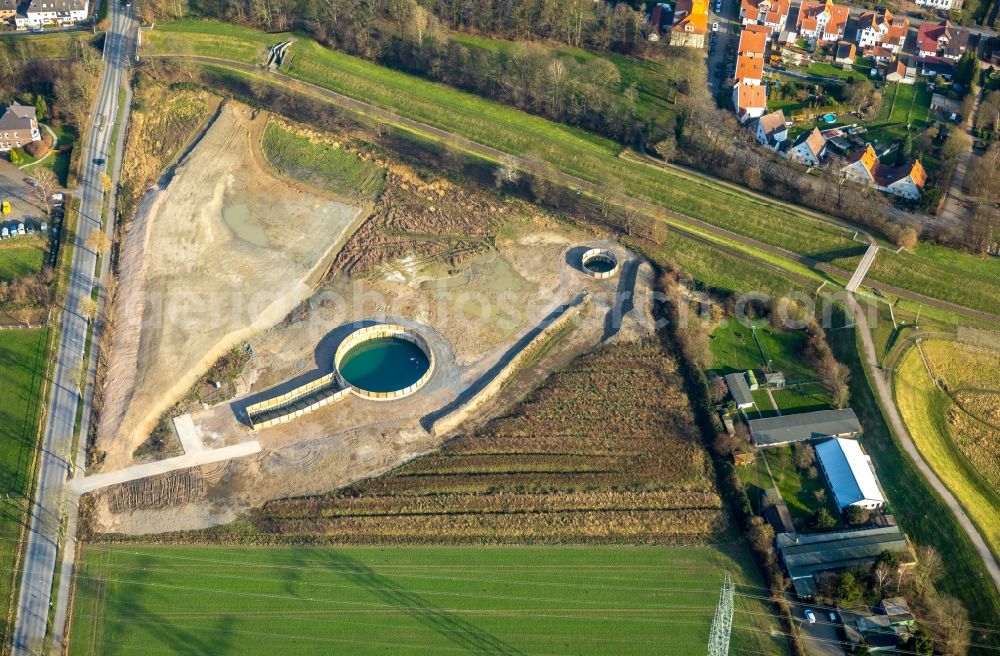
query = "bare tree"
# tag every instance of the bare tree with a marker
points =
(44, 183)
(507, 173)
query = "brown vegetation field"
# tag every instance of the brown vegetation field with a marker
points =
(604, 451)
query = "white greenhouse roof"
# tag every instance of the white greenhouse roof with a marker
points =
(849, 472)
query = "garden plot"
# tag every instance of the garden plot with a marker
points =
(225, 250)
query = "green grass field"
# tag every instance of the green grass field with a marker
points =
(571, 150)
(797, 488)
(406, 600)
(21, 257)
(735, 349)
(23, 360)
(321, 164)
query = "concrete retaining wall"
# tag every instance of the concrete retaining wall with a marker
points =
(294, 413)
(452, 420)
(383, 331)
(599, 253)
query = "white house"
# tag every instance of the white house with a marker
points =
(849, 473)
(749, 101)
(822, 21)
(946, 5)
(906, 181)
(808, 149)
(771, 130)
(40, 13)
(881, 28)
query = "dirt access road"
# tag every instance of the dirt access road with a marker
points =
(674, 218)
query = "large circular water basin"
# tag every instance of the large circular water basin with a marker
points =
(384, 362)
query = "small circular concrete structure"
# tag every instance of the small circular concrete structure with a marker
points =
(599, 263)
(383, 362)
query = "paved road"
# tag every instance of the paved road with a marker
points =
(47, 509)
(884, 390)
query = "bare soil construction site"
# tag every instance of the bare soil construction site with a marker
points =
(225, 250)
(498, 307)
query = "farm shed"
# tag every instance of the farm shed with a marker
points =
(785, 429)
(739, 390)
(807, 556)
(850, 475)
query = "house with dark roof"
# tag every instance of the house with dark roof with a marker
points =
(846, 53)
(775, 511)
(739, 390)
(803, 426)
(942, 41)
(18, 127)
(806, 557)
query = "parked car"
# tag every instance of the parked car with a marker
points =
(810, 616)
(4, 233)
(37, 30)
(833, 617)
(715, 26)
(20, 228)
(57, 199)
(44, 227)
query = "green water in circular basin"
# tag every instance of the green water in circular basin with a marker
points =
(385, 364)
(599, 264)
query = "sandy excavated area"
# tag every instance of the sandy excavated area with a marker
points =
(224, 251)
(354, 438)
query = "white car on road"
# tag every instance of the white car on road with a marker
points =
(715, 26)
(810, 616)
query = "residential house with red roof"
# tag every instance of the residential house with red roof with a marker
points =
(772, 14)
(906, 181)
(749, 70)
(690, 23)
(749, 101)
(821, 21)
(941, 41)
(882, 28)
(753, 41)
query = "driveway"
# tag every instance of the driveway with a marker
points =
(13, 188)
(822, 638)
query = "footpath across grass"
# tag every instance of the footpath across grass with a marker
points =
(406, 600)
(23, 361)
(570, 150)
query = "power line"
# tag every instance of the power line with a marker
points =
(722, 625)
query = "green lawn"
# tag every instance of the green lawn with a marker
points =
(571, 150)
(802, 398)
(735, 349)
(407, 600)
(798, 488)
(321, 164)
(23, 360)
(920, 512)
(829, 70)
(21, 257)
